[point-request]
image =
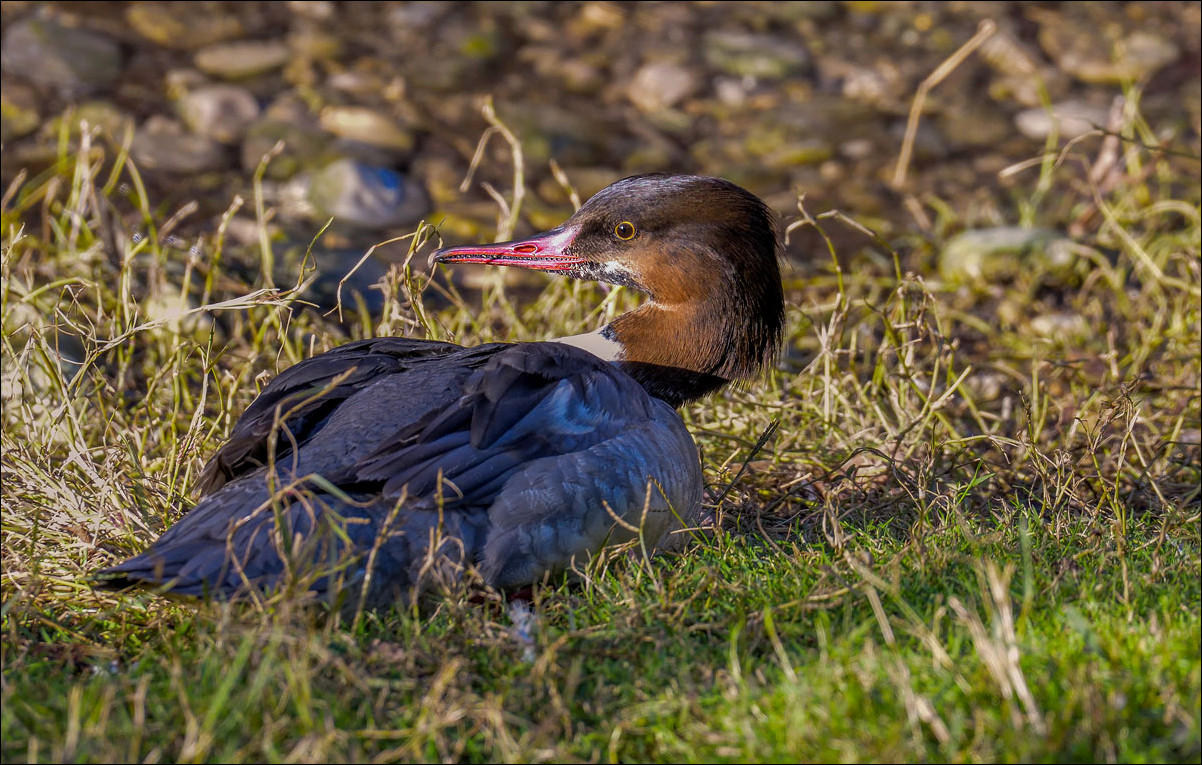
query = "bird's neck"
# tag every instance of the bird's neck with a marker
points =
(677, 353)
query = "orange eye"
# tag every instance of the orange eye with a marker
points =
(624, 230)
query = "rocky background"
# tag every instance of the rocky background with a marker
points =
(379, 108)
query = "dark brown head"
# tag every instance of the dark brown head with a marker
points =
(705, 252)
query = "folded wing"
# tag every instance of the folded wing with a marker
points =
(519, 459)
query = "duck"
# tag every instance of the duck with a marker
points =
(388, 468)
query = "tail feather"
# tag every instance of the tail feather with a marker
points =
(321, 545)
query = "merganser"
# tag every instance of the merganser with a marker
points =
(384, 467)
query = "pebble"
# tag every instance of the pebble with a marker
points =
(731, 91)
(763, 56)
(18, 112)
(112, 121)
(661, 85)
(367, 196)
(220, 112)
(570, 137)
(164, 144)
(56, 56)
(243, 59)
(418, 16)
(175, 311)
(183, 26)
(367, 126)
(985, 256)
(1060, 325)
(1084, 52)
(303, 147)
(1069, 119)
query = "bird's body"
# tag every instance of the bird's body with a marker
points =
(374, 471)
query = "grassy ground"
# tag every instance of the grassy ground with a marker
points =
(958, 523)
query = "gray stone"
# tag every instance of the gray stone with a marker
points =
(303, 147)
(1060, 325)
(113, 123)
(184, 26)
(18, 112)
(241, 60)
(61, 57)
(763, 56)
(367, 196)
(1069, 119)
(220, 112)
(366, 126)
(163, 144)
(661, 85)
(999, 254)
(1085, 52)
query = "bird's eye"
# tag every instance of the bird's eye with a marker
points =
(624, 230)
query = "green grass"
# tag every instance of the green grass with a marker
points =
(961, 537)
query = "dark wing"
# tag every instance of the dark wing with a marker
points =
(524, 466)
(302, 398)
(567, 452)
(527, 402)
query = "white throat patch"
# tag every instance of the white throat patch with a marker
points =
(595, 343)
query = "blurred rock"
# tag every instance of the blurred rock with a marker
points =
(220, 112)
(1060, 325)
(985, 256)
(1084, 51)
(60, 57)
(182, 80)
(1069, 119)
(315, 44)
(303, 147)
(367, 126)
(290, 198)
(186, 26)
(113, 122)
(459, 55)
(597, 17)
(243, 59)
(367, 196)
(569, 136)
(162, 143)
(18, 112)
(857, 148)
(1021, 75)
(776, 146)
(987, 385)
(731, 91)
(763, 56)
(418, 16)
(175, 311)
(661, 85)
